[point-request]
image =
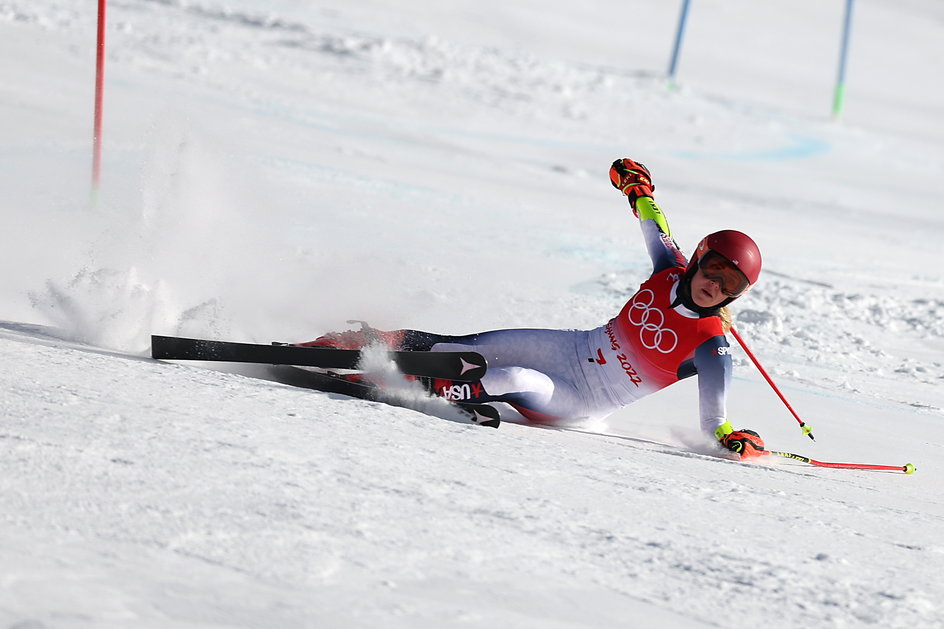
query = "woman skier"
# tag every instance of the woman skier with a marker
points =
(672, 328)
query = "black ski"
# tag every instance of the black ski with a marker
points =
(482, 414)
(461, 366)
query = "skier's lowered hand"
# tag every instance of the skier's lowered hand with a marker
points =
(632, 179)
(746, 443)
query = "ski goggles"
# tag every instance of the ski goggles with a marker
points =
(715, 266)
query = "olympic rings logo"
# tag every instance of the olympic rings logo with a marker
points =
(650, 321)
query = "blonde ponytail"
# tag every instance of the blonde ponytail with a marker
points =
(727, 319)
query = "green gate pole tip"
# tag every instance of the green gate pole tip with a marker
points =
(838, 100)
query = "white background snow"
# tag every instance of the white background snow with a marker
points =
(274, 169)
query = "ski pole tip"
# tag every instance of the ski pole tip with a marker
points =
(909, 468)
(807, 430)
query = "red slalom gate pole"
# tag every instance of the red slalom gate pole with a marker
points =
(99, 85)
(807, 430)
(907, 468)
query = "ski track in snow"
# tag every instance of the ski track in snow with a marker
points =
(271, 172)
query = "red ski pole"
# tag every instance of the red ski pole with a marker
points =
(907, 468)
(99, 84)
(807, 430)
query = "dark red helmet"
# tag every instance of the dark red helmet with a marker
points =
(736, 247)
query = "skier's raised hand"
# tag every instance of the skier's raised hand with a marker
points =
(632, 179)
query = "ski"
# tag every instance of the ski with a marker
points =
(481, 414)
(461, 366)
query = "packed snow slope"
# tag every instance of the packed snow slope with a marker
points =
(272, 170)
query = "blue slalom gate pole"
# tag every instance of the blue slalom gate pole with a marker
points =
(839, 95)
(678, 42)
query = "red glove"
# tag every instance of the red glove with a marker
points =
(746, 443)
(632, 179)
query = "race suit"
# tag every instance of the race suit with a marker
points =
(564, 376)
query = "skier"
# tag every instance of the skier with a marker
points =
(672, 328)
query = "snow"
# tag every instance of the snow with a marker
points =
(271, 171)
